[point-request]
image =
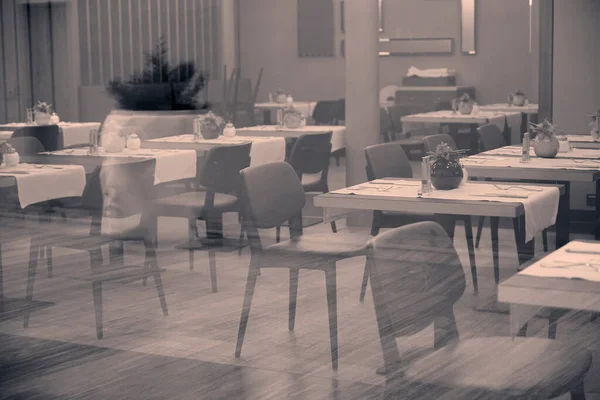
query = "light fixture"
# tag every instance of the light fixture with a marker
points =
(530, 22)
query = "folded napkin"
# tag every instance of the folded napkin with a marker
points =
(576, 260)
(38, 184)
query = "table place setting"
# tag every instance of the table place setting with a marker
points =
(533, 163)
(516, 151)
(42, 182)
(576, 260)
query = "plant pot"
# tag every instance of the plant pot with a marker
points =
(280, 98)
(292, 120)
(446, 174)
(518, 100)
(42, 118)
(546, 148)
(229, 130)
(113, 143)
(465, 108)
(209, 130)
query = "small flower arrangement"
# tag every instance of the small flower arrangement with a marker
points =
(444, 151)
(465, 98)
(544, 131)
(520, 92)
(212, 118)
(43, 107)
(280, 95)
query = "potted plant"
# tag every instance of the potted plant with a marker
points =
(465, 105)
(8, 155)
(518, 98)
(446, 171)
(545, 141)
(42, 113)
(280, 96)
(293, 118)
(209, 125)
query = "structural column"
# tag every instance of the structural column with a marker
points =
(362, 85)
(546, 63)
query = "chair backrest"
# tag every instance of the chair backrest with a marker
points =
(385, 124)
(339, 111)
(220, 170)
(271, 194)
(416, 277)
(387, 160)
(432, 142)
(311, 153)
(490, 137)
(396, 113)
(26, 145)
(323, 112)
(49, 136)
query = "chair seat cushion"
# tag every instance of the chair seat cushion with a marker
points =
(191, 204)
(494, 366)
(307, 250)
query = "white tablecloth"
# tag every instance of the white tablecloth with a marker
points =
(40, 183)
(540, 203)
(504, 107)
(535, 163)
(154, 124)
(578, 259)
(338, 136)
(171, 165)
(264, 149)
(73, 132)
(515, 151)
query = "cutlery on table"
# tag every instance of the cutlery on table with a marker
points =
(595, 267)
(510, 196)
(14, 172)
(518, 187)
(574, 251)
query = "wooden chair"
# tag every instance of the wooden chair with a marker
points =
(116, 191)
(272, 194)
(408, 143)
(385, 126)
(49, 136)
(323, 112)
(490, 138)
(218, 174)
(416, 278)
(388, 160)
(310, 156)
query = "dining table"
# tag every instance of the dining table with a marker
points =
(531, 207)
(502, 165)
(34, 184)
(263, 150)
(507, 122)
(529, 113)
(566, 279)
(583, 142)
(73, 133)
(305, 107)
(338, 133)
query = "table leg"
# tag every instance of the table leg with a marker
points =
(597, 213)
(525, 251)
(267, 117)
(519, 317)
(471, 248)
(1, 284)
(474, 142)
(562, 218)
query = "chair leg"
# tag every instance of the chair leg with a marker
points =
(294, 275)
(152, 262)
(191, 237)
(250, 285)
(578, 393)
(480, 223)
(445, 331)
(330, 282)
(212, 263)
(33, 261)
(494, 222)
(241, 241)
(471, 248)
(523, 331)
(277, 234)
(376, 223)
(49, 260)
(364, 284)
(333, 227)
(553, 324)
(594, 317)
(97, 293)
(337, 160)
(545, 240)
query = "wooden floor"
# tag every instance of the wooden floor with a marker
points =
(190, 352)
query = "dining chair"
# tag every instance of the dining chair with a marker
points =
(323, 112)
(115, 192)
(388, 160)
(272, 194)
(49, 136)
(26, 145)
(408, 143)
(247, 98)
(385, 126)
(218, 175)
(490, 138)
(339, 112)
(416, 278)
(310, 159)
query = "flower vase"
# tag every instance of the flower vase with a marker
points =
(465, 107)
(446, 174)
(113, 143)
(11, 159)
(547, 147)
(209, 130)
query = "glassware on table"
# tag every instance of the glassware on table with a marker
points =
(564, 145)
(526, 148)
(29, 116)
(454, 106)
(425, 176)
(94, 139)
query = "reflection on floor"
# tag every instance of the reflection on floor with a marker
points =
(190, 353)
